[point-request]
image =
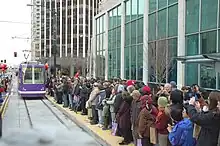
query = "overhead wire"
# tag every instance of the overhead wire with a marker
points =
(6, 21)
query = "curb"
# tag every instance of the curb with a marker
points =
(100, 140)
(4, 105)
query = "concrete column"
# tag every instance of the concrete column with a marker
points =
(94, 48)
(51, 29)
(77, 21)
(66, 26)
(106, 44)
(45, 28)
(122, 76)
(181, 42)
(61, 23)
(84, 28)
(71, 28)
(145, 43)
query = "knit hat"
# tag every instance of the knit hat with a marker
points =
(162, 101)
(146, 90)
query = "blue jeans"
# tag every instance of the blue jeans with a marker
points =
(71, 101)
(100, 114)
(65, 100)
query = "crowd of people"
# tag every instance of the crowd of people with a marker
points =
(167, 117)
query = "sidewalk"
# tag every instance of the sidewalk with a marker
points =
(105, 137)
(4, 104)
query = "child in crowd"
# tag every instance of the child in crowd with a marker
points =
(182, 132)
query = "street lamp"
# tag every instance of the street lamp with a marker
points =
(54, 50)
(26, 54)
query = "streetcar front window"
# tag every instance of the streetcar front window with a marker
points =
(38, 76)
(27, 76)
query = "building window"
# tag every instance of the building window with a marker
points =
(192, 16)
(192, 45)
(162, 37)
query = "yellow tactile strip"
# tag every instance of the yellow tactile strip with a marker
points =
(84, 123)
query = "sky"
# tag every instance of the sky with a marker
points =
(17, 11)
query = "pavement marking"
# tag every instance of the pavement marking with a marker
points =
(4, 106)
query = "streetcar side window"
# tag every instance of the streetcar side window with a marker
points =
(38, 76)
(27, 76)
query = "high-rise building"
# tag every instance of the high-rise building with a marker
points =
(35, 29)
(158, 41)
(74, 31)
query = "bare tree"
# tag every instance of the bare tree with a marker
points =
(160, 61)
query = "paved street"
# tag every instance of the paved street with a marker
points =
(41, 114)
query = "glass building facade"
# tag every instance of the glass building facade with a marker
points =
(142, 40)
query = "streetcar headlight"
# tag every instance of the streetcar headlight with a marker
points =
(24, 89)
(42, 88)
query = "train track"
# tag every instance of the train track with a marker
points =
(42, 105)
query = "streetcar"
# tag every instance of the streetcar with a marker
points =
(31, 80)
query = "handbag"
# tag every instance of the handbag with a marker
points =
(153, 135)
(139, 143)
(114, 128)
(196, 131)
(89, 113)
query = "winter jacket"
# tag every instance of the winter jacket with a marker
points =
(100, 98)
(135, 110)
(110, 102)
(118, 102)
(162, 120)
(93, 96)
(209, 123)
(182, 134)
(145, 121)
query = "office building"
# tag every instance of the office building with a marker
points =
(158, 41)
(74, 31)
(35, 29)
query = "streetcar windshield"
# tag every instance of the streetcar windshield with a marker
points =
(27, 75)
(38, 76)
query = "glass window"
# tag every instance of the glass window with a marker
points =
(127, 62)
(207, 76)
(141, 4)
(118, 59)
(162, 22)
(134, 9)
(119, 37)
(27, 75)
(140, 62)
(172, 20)
(119, 16)
(161, 61)
(128, 11)
(172, 1)
(127, 34)
(38, 76)
(140, 30)
(152, 27)
(133, 32)
(172, 51)
(133, 55)
(152, 61)
(192, 45)
(191, 76)
(162, 3)
(114, 17)
(152, 5)
(110, 20)
(209, 14)
(192, 16)
(208, 42)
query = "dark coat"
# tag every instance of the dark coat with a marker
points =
(209, 123)
(124, 114)
(118, 102)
